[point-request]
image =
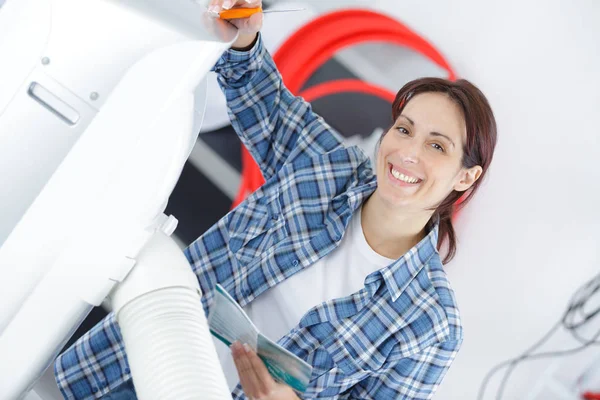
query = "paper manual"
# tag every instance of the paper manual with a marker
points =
(229, 323)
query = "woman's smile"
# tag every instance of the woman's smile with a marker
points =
(402, 177)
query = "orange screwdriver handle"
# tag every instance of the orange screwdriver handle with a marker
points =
(239, 13)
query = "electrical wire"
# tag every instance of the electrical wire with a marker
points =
(574, 318)
(523, 357)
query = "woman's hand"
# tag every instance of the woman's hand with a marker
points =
(255, 378)
(248, 27)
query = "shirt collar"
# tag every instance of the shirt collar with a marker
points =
(357, 195)
(398, 275)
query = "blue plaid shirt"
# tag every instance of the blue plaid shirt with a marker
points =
(393, 339)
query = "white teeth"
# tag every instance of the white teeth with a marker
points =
(402, 177)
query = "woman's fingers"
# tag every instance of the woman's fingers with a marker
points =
(253, 24)
(261, 370)
(215, 5)
(248, 3)
(242, 369)
(247, 26)
(254, 376)
(248, 377)
(219, 5)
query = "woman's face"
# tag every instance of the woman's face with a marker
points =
(419, 161)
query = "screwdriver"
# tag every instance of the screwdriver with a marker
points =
(247, 12)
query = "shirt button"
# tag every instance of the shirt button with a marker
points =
(94, 389)
(295, 263)
(127, 370)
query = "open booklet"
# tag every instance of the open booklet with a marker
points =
(229, 323)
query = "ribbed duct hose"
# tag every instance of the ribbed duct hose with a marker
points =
(169, 348)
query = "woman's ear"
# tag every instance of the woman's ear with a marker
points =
(467, 178)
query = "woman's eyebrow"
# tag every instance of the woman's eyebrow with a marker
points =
(442, 135)
(409, 120)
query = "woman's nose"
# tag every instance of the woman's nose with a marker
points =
(410, 154)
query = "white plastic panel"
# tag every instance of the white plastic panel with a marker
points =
(77, 198)
(53, 103)
(33, 142)
(23, 35)
(88, 224)
(93, 43)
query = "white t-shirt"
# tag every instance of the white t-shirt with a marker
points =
(339, 274)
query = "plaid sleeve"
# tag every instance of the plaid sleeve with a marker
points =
(273, 124)
(415, 377)
(95, 364)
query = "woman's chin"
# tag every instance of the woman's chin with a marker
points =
(397, 198)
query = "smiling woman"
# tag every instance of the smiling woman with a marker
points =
(442, 144)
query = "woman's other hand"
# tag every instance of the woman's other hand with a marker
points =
(248, 27)
(255, 379)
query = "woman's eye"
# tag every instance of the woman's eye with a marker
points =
(402, 130)
(438, 147)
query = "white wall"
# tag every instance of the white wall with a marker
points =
(531, 237)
